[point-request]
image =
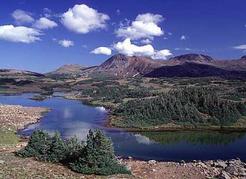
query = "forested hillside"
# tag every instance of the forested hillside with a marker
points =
(194, 106)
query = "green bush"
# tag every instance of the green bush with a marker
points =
(47, 148)
(98, 157)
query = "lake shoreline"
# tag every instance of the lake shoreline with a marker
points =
(14, 118)
(164, 128)
(168, 128)
(180, 129)
(18, 116)
(139, 168)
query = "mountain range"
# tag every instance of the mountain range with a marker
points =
(121, 66)
(188, 65)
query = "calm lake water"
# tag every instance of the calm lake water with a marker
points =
(71, 118)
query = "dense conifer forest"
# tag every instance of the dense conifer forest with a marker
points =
(190, 105)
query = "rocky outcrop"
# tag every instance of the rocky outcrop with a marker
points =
(223, 169)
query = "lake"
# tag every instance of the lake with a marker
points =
(73, 118)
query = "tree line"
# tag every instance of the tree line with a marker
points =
(115, 93)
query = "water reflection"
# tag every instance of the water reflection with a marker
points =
(196, 137)
(67, 113)
(143, 139)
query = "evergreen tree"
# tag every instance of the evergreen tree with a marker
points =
(190, 105)
(38, 145)
(98, 156)
(74, 147)
(57, 149)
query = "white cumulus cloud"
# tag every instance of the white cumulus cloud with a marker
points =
(45, 23)
(102, 50)
(162, 54)
(144, 26)
(83, 19)
(19, 34)
(240, 47)
(129, 49)
(21, 16)
(66, 43)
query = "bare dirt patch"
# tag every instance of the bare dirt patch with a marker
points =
(16, 116)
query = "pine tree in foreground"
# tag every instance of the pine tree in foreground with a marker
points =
(38, 145)
(98, 157)
(57, 150)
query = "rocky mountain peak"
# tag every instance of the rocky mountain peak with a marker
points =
(116, 61)
(122, 65)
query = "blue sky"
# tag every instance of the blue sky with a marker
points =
(40, 35)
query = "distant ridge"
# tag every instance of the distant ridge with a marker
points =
(188, 69)
(70, 71)
(123, 66)
(236, 64)
(14, 72)
(196, 58)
